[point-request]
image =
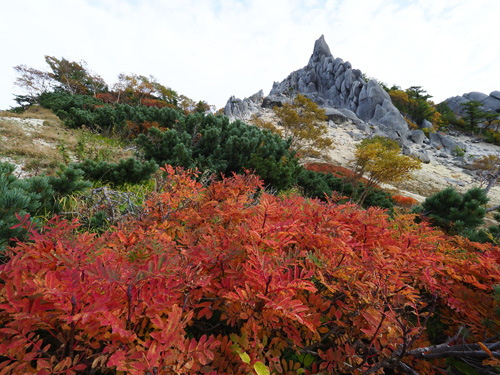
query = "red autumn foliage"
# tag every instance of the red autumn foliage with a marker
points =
(225, 279)
(150, 102)
(136, 129)
(108, 97)
(403, 201)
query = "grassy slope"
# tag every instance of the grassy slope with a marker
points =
(37, 142)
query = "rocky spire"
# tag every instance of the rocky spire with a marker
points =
(321, 48)
(331, 82)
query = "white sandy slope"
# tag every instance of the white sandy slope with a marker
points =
(432, 178)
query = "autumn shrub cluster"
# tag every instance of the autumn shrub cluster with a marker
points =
(415, 103)
(226, 279)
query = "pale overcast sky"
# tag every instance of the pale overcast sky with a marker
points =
(212, 49)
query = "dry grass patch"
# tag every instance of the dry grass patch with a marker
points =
(38, 142)
(55, 134)
(9, 129)
(34, 111)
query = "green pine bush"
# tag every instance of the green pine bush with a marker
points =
(14, 200)
(131, 170)
(376, 198)
(213, 143)
(36, 196)
(320, 185)
(453, 212)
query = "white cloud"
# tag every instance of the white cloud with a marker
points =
(211, 49)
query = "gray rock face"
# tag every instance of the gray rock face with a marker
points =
(445, 143)
(334, 84)
(331, 82)
(495, 94)
(390, 121)
(243, 109)
(370, 96)
(455, 104)
(418, 136)
(272, 101)
(490, 102)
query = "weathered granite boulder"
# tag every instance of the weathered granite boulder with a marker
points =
(424, 157)
(427, 124)
(490, 102)
(390, 121)
(272, 101)
(446, 143)
(418, 136)
(243, 109)
(351, 116)
(336, 116)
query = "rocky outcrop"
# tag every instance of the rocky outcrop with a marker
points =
(363, 109)
(333, 84)
(243, 109)
(490, 102)
(447, 143)
(272, 101)
(328, 81)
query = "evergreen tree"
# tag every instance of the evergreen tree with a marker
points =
(453, 212)
(474, 114)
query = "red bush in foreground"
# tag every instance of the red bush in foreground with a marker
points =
(226, 280)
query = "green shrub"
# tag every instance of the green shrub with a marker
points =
(36, 196)
(376, 198)
(81, 110)
(129, 170)
(492, 136)
(453, 212)
(458, 151)
(13, 200)
(63, 101)
(213, 143)
(319, 184)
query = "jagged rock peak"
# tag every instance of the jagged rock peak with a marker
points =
(321, 47)
(331, 83)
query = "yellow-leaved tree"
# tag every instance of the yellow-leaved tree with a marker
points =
(304, 122)
(379, 160)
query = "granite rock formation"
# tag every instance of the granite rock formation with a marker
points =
(490, 102)
(363, 107)
(332, 83)
(243, 109)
